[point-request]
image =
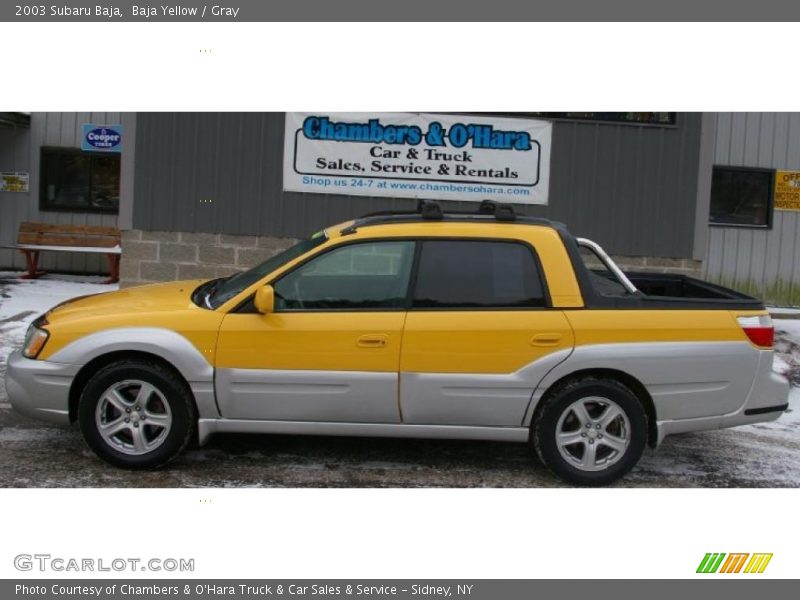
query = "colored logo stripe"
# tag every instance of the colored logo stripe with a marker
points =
(710, 562)
(733, 564)
(758, 563)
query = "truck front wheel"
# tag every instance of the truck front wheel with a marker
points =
(136, 414)
(590, 431)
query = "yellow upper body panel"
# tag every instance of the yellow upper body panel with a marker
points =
(166, 305)
(611, 326)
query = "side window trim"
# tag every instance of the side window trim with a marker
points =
(412, 281)
(412, 288)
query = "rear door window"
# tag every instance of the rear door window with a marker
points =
(464, 274)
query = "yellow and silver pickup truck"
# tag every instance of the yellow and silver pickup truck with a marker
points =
(483, 326)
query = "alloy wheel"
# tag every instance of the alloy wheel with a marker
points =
(133, 417)
(593, 433)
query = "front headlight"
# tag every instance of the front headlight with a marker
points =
(35, 340)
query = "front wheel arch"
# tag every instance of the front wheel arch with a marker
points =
(93, 366)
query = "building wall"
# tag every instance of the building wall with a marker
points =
(763, 262)
(15, 155)
(632, 188)
(153, 256)
(20, 151)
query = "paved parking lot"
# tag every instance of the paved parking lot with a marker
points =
(33, 454)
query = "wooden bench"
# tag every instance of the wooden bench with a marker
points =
(34, 238)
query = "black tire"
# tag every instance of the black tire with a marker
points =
(174, 398)
(557, 404)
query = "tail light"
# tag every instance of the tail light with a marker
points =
(759, 329)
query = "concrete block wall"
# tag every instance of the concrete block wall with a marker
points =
(649, 264)
(653, 264)
(154, 256)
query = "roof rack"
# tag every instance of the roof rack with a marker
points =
(427, 210)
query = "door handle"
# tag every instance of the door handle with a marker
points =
(376, 340)
(546, 339)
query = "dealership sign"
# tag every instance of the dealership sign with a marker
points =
(455, 157)
(103, 138)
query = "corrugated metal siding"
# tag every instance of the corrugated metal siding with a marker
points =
(632, 188)
(14, 156)
(758, 261)
(48, 129)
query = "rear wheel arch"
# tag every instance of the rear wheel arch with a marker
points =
(629, 381)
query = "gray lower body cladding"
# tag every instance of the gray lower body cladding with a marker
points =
(694, 386)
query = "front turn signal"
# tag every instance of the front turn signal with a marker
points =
(35, 340)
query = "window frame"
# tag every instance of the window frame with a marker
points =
(44, 206)
(770, 199)
(412, 280)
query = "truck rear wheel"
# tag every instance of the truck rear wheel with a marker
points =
(590, 431)
(136, 414)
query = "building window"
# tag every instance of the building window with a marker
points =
(74, 180)
(742, 196)
(635, 118)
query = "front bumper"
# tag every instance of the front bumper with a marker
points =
(39, 389)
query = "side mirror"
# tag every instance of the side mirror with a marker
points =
(264, 300)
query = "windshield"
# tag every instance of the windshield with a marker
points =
(228, 288)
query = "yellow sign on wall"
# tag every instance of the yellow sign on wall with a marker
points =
(14, 181)
(787, 190)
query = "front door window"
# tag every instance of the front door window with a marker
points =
(366, 276)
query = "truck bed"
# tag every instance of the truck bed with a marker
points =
(602, 285)
(682, 286)
(666, 290)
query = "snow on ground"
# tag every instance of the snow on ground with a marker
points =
(787, 349)
(789, 326)
(38, 295)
